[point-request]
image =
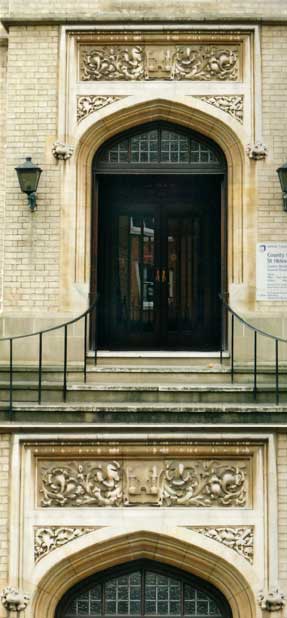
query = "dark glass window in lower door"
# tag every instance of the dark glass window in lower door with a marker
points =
(145, 593)
(184, 293)
(133, 290)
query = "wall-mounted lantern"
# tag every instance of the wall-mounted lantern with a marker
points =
(282, 173)
(28, 177)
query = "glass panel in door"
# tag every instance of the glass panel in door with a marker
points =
(183, 272)
(193, 281)
(133, 318)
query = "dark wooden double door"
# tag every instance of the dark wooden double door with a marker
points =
(159, 260)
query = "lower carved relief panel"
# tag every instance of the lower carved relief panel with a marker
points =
(153, 482)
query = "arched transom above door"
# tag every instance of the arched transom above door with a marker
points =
(144, 589)
(160, 145)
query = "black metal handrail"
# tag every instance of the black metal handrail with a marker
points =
(64, 325)
(226, 309)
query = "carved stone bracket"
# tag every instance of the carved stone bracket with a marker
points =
(256, 151)
(230, 104)
(272, 601)
(13, 600)
(62, 151)
(240, 539)
(171, 62)
(173, 483)
(92, 103)
(48, 539)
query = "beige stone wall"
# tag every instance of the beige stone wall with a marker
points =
(3, 81)
(32, 242)
(282, 508)
(4, 509)
(173, 9)
(271, 217)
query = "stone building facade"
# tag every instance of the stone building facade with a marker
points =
(131, 488)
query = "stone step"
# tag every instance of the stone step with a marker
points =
(157, 375)
(173, 393)
(143, 393)
(145, 415)
(153, 374)
(176, 374)
(30, 373)
(158, 358)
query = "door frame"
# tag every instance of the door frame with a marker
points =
(179, 169)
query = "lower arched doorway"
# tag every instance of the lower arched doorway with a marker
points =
(159, 240)
(143, 589)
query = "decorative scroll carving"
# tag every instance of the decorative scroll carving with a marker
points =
(13, 600)
(230, 104)
(240, 539)
(256, 151)
(272, 601)
(172, 62)
(155, 483)
(48, 539)
(112, 63)
(205, 63)
(92, 103)
(80, 484)
(62, 151)
(204, 484)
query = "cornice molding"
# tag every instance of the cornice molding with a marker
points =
(24, 20)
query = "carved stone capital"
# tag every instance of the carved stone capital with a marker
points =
(256, 151)
(13, 600)
(62, 151)
(272, 601)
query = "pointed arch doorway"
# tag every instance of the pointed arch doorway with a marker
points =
(159, 240)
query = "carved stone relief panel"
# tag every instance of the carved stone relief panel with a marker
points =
(47, 539)
(170, 483)
(230, 104)
(211, 62)
(238, 538)
(92, 103)
(82, 483)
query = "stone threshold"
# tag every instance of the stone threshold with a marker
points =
(207, 387)
(155, 354)
(221, 388)
(152, 407)
(158, 369)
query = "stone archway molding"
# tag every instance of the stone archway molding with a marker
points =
(134, 111)
(176, 548)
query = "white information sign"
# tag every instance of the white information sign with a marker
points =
(271, 271)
